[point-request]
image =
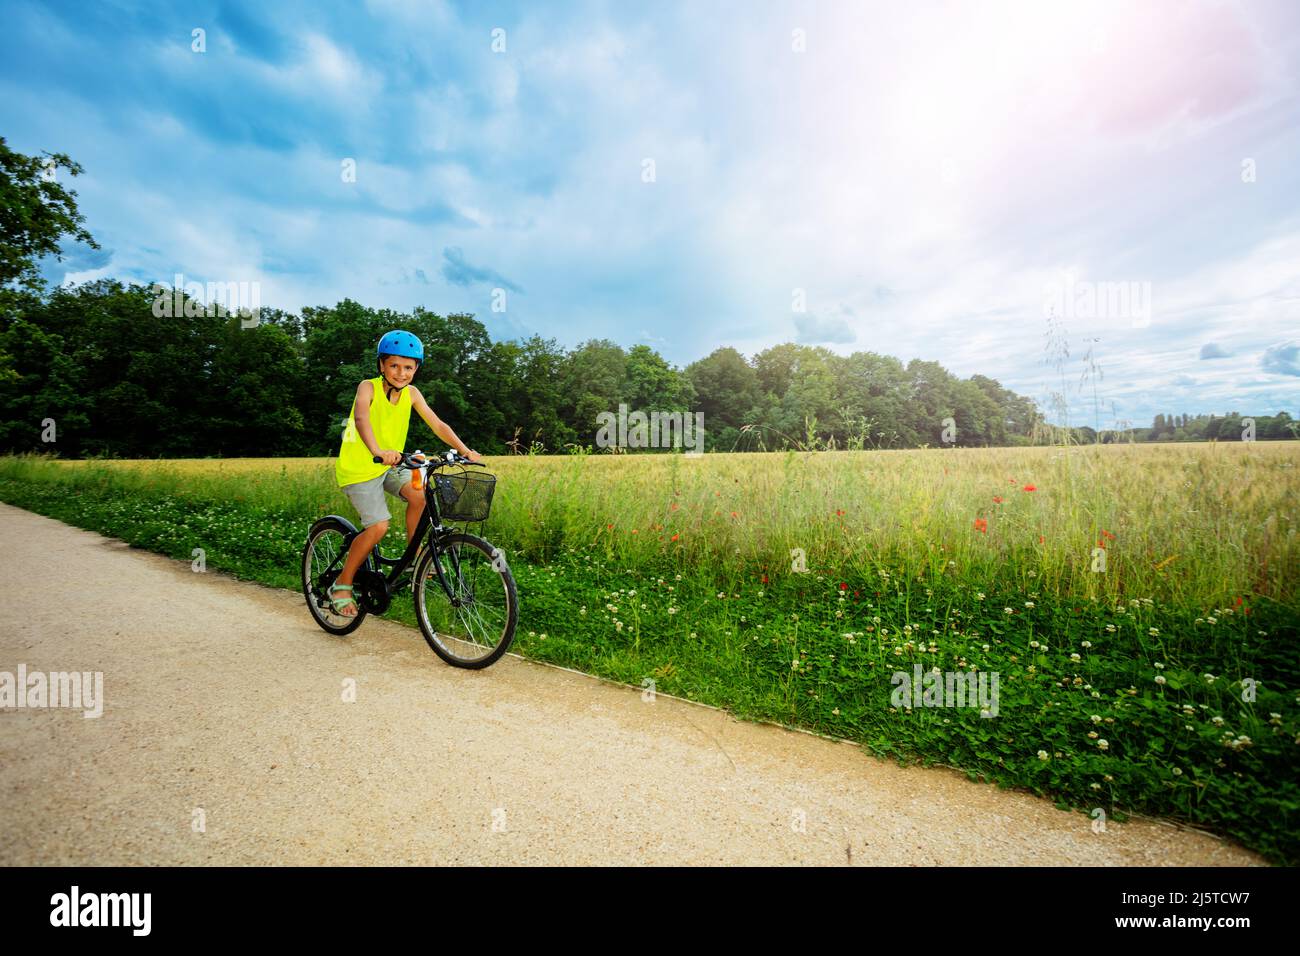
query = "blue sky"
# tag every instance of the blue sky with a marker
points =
(921, 180)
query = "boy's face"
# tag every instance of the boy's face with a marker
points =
(399, 369)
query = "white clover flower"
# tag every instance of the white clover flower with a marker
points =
(1110, 628)
(1086, 644)
(1178, 772)
(721, 595)
(1033, 643)
(1160, 678)
(1211, 620)
(673, 610)
(1153, 631)
(692, 633)
(1008, 610)
(760, 593)
(1042, 755)
(1095, 786)
(1075, 657)
(678, 578)
(985, 646)
(1095, 718)
(979, 596)
(1092, 735)
(1158, 666)
(1217, 721)
(1103, 744)
(1029, 604)
(1189, 726)
(582, 611)
(631, 593)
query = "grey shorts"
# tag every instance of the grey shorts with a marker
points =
(368, 496)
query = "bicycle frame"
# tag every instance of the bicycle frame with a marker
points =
(430, 524)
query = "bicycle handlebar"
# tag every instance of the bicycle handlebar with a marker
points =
(452, 457)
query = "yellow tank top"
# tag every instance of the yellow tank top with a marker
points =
(389, 423)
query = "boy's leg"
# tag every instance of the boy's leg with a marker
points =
(414, 508)
(398, 482)
(368, 498)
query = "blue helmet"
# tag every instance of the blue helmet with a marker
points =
(399, 342)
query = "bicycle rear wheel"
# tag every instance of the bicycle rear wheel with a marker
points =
(322, 560)
(475, 625)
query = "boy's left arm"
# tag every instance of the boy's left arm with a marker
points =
(440, 428)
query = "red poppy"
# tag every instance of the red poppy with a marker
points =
(1040, 539)
(609, 527)
(764, 579)
(1107, 534)
(981, 525)
(674, 538)
(1101, 542)
(674, 507)
(839, 512)
(855, 593)
(997, 499)
(843, 586)
(634, 530)
(1030, 488)
(1237, 603)
(734, 515)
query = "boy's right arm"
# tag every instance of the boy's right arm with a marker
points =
(365, 392)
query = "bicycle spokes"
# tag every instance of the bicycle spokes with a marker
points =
(468, 609)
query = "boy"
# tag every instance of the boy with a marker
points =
(388, 399)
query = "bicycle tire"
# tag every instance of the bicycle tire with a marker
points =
(425, 582)
(318, 531)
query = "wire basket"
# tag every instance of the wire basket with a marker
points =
(466, 496)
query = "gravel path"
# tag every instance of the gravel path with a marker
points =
(224, 697)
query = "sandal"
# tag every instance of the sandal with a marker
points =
(338, 604)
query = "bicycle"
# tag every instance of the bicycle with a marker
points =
(475, 624)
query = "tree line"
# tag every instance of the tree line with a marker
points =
(98, 370)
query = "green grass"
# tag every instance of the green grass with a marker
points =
(1201, 558)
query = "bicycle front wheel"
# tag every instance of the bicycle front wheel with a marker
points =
(474, 625)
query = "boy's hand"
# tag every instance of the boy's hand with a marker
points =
(472, 455)
(390, 457)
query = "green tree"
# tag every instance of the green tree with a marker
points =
(35, 213)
